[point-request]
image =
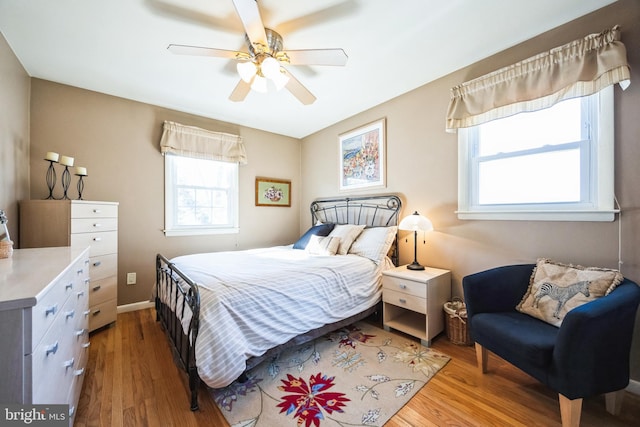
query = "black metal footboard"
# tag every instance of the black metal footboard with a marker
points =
(178, 296)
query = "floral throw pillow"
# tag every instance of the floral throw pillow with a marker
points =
(555, 289)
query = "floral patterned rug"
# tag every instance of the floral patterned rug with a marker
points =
(357, 376)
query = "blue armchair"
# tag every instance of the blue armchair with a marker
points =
(588, 355)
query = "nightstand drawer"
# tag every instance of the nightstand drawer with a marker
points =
(406, 301)
(94, 210)
(405, 286)
(105, 242)
(103, 266)
(88, 225)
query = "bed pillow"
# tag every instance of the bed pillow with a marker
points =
(347, 234)
(316, 230)
(374, 243)
(555, 289)
(319, 245)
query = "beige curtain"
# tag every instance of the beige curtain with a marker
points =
(192, 141)
(579, 68)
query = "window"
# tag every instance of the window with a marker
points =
(552, 164)
(201, 196)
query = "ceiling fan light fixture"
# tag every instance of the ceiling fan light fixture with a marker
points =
(280, 80)
(259, 84)
(270, 67)
(246, 70)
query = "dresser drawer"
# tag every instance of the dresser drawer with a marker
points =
(103, 290)
(103, 266)
(102, 243)
(102, 314)
(88, 225)
(94, 210)
(409, 302)
(409, 287)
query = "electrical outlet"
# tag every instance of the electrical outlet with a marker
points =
(131, 278)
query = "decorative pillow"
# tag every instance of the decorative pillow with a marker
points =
(374, 243)
(323, 245)
(316, 230)
(347, 234)
(555, 289)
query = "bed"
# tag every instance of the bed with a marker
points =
(225, 312)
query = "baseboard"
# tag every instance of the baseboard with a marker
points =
(634, 387)
(135, 306)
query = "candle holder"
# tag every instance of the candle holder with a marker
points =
(51, 178)
(80, 185)
(66, 181)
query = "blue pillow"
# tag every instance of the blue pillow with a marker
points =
(318, 230)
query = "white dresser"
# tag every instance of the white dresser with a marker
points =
(79, 223)
(44, 318)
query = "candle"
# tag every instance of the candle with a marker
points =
(67, 161)
(51, 156)
(81, 171)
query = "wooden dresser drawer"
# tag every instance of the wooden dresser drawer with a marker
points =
(401, 299)
(103, 290)
(103, 266)
(102, 314)
(94, 210)
(89, 225)
(102, 243)
(405, 286)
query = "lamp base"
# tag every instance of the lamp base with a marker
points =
(415, 266)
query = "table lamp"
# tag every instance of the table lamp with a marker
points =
(415, 222)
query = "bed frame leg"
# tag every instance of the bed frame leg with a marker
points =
(194, 382)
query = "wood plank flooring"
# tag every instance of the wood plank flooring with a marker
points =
(132, 380)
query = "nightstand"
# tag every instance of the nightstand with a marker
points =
(413, 301)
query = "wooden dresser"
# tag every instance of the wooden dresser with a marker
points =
(79, 223)
(44, 318)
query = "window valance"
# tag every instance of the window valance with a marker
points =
(579, 68)
(192, 141)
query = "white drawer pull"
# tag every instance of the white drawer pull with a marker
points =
(80, 332)
(68, 286)
(86, 345)
(86, 281)
(95, 313)
(51, 310)
(72, 411)
(80, 271)
(97, 225)
(69, 363)
(96, 288)
(70, 314)
(97, 263)
(86, 261)
(80, 294)
(402, 300)
(78, 372)
(86, 313)
(52, 349)
(97, 239)
(96, 211)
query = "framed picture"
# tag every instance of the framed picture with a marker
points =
(273, 192)
(362, 156)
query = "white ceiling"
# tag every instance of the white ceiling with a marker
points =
(118, 47)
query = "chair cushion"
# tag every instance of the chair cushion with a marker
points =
(555, 289)
(518, 338)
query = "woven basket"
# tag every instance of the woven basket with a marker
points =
(456, 322)
(6, 248)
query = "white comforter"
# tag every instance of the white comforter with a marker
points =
(254, 300)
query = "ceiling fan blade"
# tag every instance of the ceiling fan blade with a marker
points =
(298, 90)
(317, 57)
(180, 49)
(240, 92)
(250, 16)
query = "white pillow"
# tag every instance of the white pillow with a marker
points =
(374, 243)
(347, 234)
(319, 245)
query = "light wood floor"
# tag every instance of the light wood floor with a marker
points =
(132, 380)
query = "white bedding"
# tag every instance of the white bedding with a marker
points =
(254, 300)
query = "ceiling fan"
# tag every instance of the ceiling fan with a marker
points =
(265, 57)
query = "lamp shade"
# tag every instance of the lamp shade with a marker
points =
(246, 70)
(415, 222)
(270, 67)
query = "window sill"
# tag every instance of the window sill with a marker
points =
(200, 231)
(595, 216)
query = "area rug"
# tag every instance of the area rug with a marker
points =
(357, 376)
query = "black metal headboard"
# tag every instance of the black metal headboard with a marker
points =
(372, 211)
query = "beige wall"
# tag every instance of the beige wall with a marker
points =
(118, 142)
(422, 167)
(14, 135)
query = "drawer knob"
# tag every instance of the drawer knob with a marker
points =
(51, 349)
(86, 281)
(80, 332)
(80, 294)
(80, 271)
(96, 288)
(97, 225)
(96, 211)
(403, 286)
(86, 313)
(402, 300)
(51, 310)
(97, 263)
(69, 363)
(97, 239)
(78, 372)
(86, 345)
(68, 286)
(69, 314)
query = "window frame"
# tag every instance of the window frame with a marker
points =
(170, 186)
(601, 178)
